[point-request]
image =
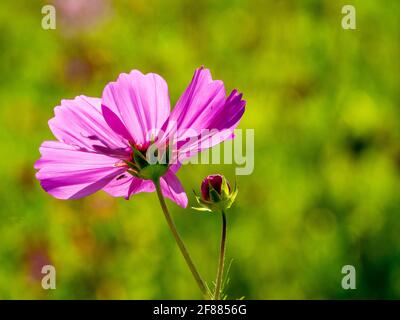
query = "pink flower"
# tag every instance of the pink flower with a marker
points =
(98, 139)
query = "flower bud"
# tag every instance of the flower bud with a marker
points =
(216, 194)
(210, 184)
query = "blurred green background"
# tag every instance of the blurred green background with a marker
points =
(324, 103)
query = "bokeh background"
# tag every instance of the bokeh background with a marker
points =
(324, 104)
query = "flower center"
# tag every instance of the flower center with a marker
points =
(139, 165)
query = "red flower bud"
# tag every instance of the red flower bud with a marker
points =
(215, 180)
(216, 194)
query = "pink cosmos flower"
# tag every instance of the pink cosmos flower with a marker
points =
(101, 142)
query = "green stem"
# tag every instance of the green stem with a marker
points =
(180, 243)
(217, 294)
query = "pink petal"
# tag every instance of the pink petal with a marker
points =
(204, 113)
(67, 172)
(79, 122)
(172, 189)
(228, 117)
(207, 139)
(119, 186)
(136, 104)
(128, 185)
(220, 127)
(197, 104)
(170, 185)
(140, 185)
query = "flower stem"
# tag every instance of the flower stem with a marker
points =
(180, 243)
(218, 282)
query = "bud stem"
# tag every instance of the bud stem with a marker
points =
(218, 282)
(180, 243)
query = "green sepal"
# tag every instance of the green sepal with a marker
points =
(139, 159)
(225, 192)
(153, 172)
(131, 165)
(201, 209)
(214, 195)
